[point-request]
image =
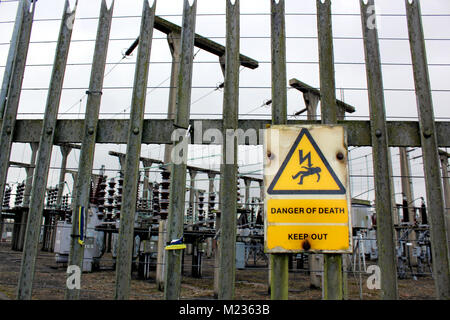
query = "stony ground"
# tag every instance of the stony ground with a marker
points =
(251, 283)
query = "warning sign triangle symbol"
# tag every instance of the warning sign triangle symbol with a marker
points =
(305, 170)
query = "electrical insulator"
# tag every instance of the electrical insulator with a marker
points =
(110, 200)
(65, 202)
(201, 199)
(238, 188)
(211, 205)
(138, 191)
(118, 205)
(55, 196)
(164, 202)
(155, 199)
(19, 194)
(101, 197)
(6, 197)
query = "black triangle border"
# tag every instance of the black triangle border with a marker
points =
(304, 131)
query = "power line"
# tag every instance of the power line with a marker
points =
(241, 37)
(214, 87)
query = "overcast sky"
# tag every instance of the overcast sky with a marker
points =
(302, 58)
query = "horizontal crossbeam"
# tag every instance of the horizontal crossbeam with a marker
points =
(159, 131)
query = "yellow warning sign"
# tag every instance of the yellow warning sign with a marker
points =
(307, 200)
(307, 210)
(307, 237)
(305, 170)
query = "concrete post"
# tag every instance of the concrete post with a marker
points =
(65, 151)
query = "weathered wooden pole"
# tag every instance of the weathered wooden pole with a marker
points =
(433, 182)
(279, 268)
(9, 114)
(83, 180)
(12, 53)
(26, 275)
(175, 221)
(132, 160)
(387, 260)
(333, 276)
(174, 41)
(228, 167)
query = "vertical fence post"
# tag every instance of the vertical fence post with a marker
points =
(387, 260)
(433, 182)
(228, 167)
(83, 180)
(172, 276)
(26, 274)
(333, 275)
(12, 53)
(15, 86)
(174, 41)
(279, 269)
(131, 169)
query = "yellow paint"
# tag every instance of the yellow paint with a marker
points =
(301, 168)
(307, 210)
(319, 237)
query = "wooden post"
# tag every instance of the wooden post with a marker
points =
(132, 160)
(279, 272)
(174, 41)
(228, 167)
(387, 260)
(175, 220)
(315, 261)
(333, 275)
(26, 275)
(9, 114)
(12, 53)
(433, 182)
(311, 102)
(82, 182)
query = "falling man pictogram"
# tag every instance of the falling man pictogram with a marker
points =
(310, 170)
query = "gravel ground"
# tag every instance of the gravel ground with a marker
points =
(251, 283)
